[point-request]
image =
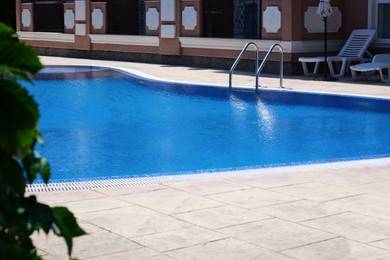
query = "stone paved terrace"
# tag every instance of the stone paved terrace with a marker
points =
(313, 214)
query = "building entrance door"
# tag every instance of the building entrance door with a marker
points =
(247, 17)
(123, 17)
(49, 16)
(218, 18)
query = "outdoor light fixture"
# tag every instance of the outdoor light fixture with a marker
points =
(325, 10)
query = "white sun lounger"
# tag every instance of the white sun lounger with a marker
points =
(379, 63)
(352, 51)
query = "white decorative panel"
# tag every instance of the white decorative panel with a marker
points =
(189, 18)
(272, 19)
(26, 18)
(81, 29)
(168, 10)
(80, 10)
(168, 31)
(69, 19)
(314, 23)
(97, 18)
(152, 21)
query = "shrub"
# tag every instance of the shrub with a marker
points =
(21, 215)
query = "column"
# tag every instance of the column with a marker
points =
(169, 31)
(82, 40)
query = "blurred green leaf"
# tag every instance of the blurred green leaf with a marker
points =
(14, 251)
(13, 74)
(19, 60)
(39, 138)
(30, 163)
(33, 164)
(44, 169)
(40, 214)
(11, 184)
(20, 216)
(6, 32)
(67, 225)
(18, 118)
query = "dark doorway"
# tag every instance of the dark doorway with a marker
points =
(48, 16)
(218, 18)
(7, 13)
(251, 29)
(246, 19)
(123, 17)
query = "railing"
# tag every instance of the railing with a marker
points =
(257, 68)
(238, 60)
(265, 60)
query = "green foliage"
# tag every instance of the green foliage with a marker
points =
(21, 216)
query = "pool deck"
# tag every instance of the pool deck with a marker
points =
(333, 213)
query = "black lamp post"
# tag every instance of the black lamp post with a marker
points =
(325, 10)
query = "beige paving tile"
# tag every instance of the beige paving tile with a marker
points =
(179, 238)
(316, 191)
(273, 181)
(97, 242)
(113, 192)
(93, 205)
(226, 249)
(50, 257)
(385, 244)
(353, 226)
(337, 248)
(298, 211)
(380, 171)
(48, 243)
(378, 188)
(170, 201)
(141, 253)
(276, 234)
(252, 198)
(42, 253)
(209, 187)
(221, 217)
(60, 197)
(366, 204)
(160, 257)
(349, 177)
(133, 221)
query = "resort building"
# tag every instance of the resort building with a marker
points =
(208, 33)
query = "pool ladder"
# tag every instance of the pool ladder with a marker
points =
(257, 68)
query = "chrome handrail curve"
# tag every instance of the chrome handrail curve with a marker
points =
(265, 60)
(238, 60)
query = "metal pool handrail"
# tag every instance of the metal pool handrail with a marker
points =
(238, 60)
(266, 59)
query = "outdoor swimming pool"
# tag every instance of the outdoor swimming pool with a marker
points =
(102, 124)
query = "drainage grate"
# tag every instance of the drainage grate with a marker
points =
(116, 183)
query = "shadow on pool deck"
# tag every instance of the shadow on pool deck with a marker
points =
(331, 214)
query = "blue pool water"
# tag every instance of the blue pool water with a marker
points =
(107, 125)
